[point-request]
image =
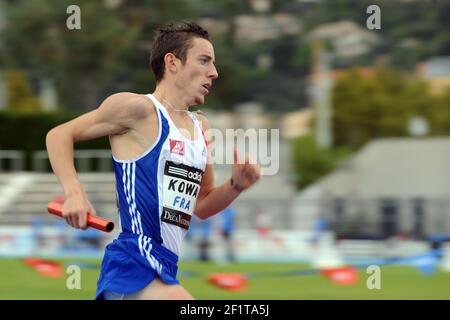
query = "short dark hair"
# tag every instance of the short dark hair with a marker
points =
(176, 39)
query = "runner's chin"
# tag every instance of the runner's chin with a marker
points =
(200, 99)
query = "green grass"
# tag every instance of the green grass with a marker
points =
(19, 281)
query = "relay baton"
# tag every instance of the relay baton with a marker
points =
(92, 220)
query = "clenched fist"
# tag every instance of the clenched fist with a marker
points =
(75, 210)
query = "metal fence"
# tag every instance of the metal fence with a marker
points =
(85, 161)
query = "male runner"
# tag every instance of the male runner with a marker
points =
(160, 161)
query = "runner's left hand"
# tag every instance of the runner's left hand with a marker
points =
(245, 172)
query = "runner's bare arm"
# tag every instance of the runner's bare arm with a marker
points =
(114, 116)
(212, 199)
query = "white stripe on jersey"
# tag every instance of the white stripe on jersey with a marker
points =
(126, 187)
(133, 199)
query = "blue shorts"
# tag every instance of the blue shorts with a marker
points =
(132, 261)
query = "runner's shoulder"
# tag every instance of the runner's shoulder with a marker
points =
(201, 116)
(131, 104)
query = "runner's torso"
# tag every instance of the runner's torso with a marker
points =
(158, 190)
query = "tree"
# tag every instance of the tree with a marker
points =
(438, 114)
(19, 95)
(82, 62)
(369, 107)
(311, 162)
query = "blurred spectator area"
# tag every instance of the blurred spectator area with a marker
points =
(392, 188)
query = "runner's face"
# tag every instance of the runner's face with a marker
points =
(197, 74)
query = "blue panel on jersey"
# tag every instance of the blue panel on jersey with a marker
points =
(137, 189)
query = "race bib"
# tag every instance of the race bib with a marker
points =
(181, 188)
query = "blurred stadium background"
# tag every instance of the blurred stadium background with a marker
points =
(364, 150)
